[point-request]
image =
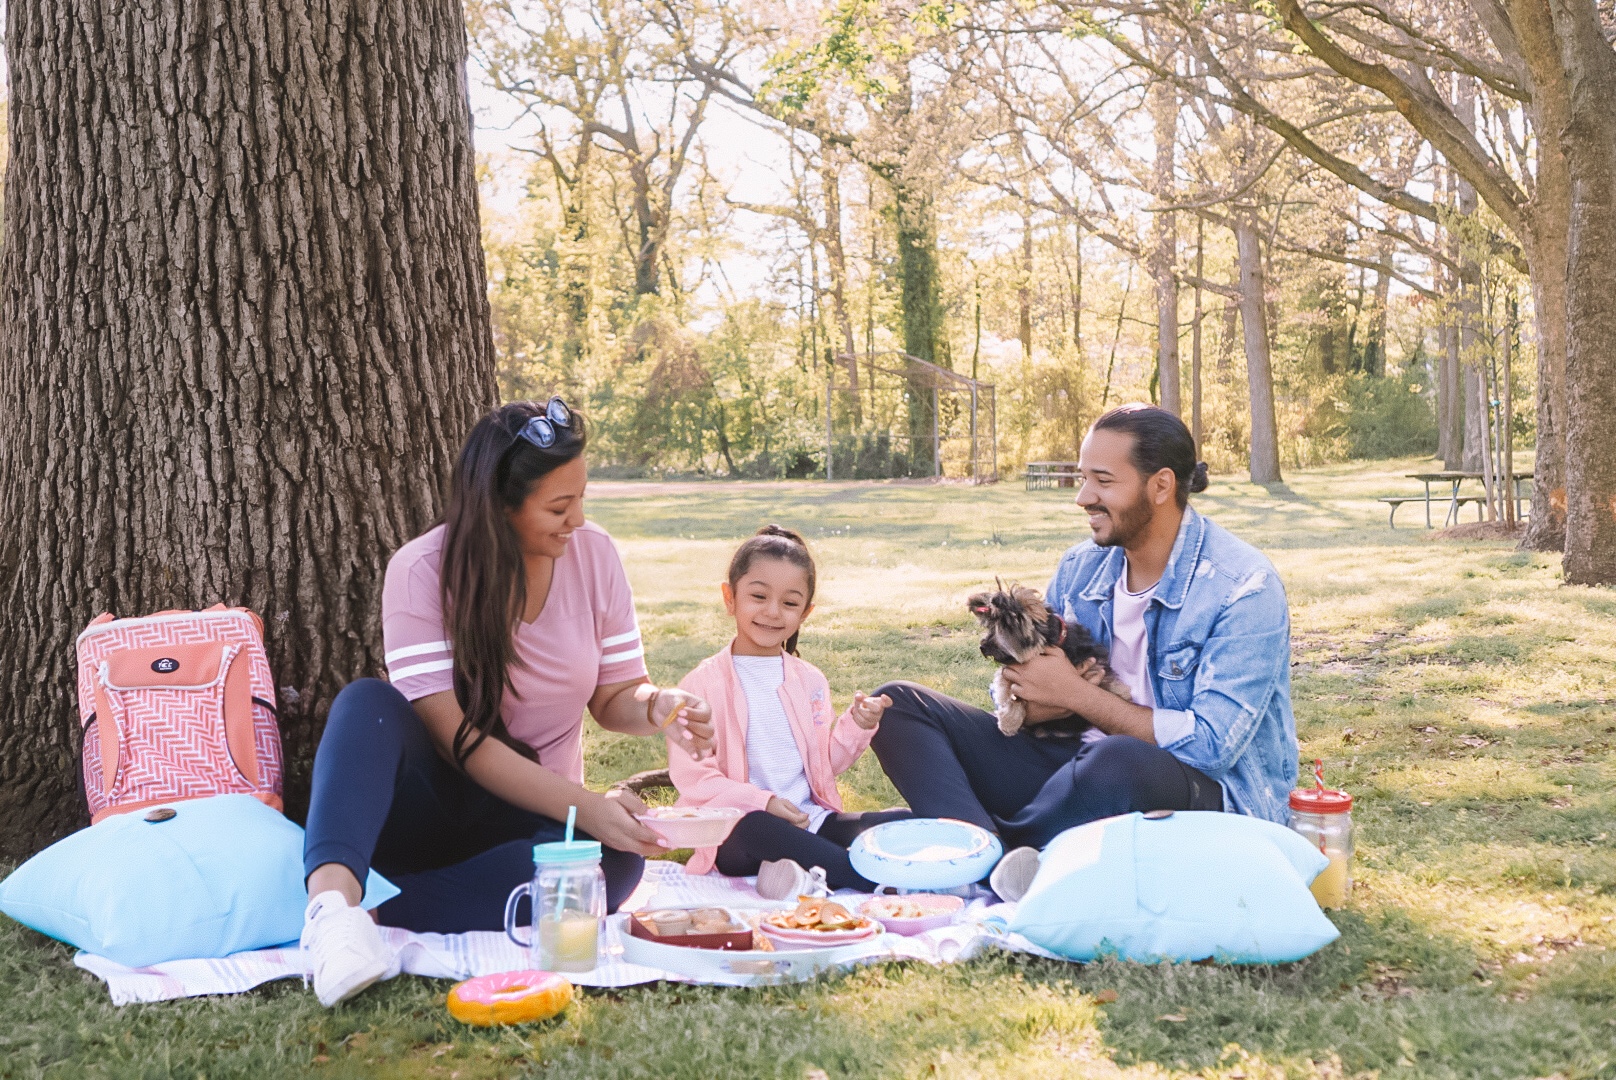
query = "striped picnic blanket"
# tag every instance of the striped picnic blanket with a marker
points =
(461, 956)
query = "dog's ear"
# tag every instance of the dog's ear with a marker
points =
(981, 605)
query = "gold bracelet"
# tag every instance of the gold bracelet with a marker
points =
(650, 709)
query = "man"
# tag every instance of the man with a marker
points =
(1198, 629)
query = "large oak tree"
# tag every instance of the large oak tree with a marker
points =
(243, 328)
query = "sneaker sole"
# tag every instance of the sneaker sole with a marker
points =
(1012, 878)
(778, 881)
(364, 983)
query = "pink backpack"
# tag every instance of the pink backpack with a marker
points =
(182, 706)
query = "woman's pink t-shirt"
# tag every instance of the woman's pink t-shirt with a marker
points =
(586, 636)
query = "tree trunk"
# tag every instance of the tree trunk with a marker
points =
(1196, 430)
(1164, 248)
(836, 259)
(244, 327)
(1589, 144)
(576, 249)
(1375, 346)
(1259, 368)
(1548, 254)
(922, 313)
(1024, 290)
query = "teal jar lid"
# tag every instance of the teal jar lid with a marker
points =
(561, 853)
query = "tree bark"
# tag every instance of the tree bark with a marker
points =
(836, 260)
(1024, 290)
(1164, 247)
(1259, 367)
(1588, 142)
(922, 313)
(243, 329)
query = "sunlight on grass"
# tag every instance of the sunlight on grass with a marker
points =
(1459, 690)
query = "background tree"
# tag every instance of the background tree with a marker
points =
(243, 330)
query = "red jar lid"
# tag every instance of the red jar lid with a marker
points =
(1320, 799)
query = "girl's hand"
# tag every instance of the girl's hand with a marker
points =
(867, 710)
(782, 808)
(687, 718)
(609, 818)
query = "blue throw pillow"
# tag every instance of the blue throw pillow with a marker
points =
(1192, 886)
(222, 875)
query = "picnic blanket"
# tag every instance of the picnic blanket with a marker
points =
(462, 956)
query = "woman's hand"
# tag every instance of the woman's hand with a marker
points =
(784, 808)
(690, 717)
(867, 710)
(609, 818)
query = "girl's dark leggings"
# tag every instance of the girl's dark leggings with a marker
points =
(383, 797)
(760, 836)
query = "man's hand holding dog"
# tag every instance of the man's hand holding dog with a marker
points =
(1052, 687)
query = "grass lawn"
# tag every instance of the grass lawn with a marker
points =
(1459, 690)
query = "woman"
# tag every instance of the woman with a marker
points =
(500, 626)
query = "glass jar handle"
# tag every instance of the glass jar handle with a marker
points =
(524, 889)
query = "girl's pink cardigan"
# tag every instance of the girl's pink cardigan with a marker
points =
(828, 746)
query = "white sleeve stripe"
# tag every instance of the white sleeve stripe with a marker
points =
(421, 669)
(620, 639)
(627, 654)
(418, 650)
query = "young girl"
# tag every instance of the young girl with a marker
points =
(777, 746)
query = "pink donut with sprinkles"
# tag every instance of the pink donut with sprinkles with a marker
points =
(509, 997)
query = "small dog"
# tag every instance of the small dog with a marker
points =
(1018, 625)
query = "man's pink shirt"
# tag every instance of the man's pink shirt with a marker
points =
(586, 636)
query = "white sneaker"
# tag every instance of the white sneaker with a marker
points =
(1013, 876)
(343, 949)
(785, 879)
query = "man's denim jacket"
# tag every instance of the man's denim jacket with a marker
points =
(1220, 657)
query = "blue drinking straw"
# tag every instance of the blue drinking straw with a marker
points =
(572, 819)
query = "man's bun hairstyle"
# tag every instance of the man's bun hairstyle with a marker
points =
(1160, 441)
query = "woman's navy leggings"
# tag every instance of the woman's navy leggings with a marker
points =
(384, 798)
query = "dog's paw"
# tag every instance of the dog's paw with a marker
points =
(1011, 718)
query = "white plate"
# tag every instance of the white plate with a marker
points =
(798, 939)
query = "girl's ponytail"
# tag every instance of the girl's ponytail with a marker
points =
(774, 542)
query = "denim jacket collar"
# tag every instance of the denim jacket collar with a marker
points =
(1175, 579)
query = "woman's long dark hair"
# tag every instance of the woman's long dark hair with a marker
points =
(773, 542)
(1160, 441)
(482, 582)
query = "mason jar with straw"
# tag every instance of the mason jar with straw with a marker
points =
(568, 895)
(1324, 816)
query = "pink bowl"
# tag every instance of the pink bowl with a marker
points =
(692, 826)
(941, 911)
(812, 939)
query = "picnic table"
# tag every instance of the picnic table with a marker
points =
(1042, 474)
(1454, 499)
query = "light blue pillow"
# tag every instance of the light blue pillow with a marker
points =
(222, 875)
(1188, 887)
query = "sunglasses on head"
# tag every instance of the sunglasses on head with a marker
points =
(541, 431)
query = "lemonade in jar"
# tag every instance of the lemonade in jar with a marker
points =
(1324, 816)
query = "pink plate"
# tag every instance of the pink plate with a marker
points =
(808, 939)
(692, 826)
(940, 911)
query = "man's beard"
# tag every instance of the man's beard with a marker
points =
(1128, 523)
